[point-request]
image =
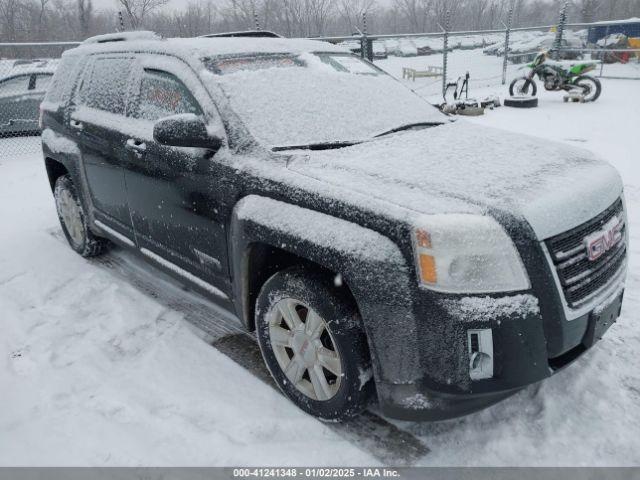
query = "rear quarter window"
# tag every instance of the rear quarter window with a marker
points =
(107, 84)
(66, 76)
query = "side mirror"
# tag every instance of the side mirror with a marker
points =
(186, 130)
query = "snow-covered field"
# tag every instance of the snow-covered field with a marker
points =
(96, 369)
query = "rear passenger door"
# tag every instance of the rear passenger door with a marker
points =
(173, 193)
(98, 120)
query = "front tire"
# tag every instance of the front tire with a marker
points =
(523, 86)
(74, 220)
(311, 338)
(591, 87)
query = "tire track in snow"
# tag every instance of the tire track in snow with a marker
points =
(370, 432)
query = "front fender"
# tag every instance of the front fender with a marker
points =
(370, 264)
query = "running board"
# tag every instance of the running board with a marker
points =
(183, 273)
(163, 261)
(117, 235)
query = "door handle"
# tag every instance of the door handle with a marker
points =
(136, 146)
(76, 124)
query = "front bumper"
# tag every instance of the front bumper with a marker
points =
(443, 388)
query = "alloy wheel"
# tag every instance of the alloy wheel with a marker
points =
(71, 216)
(305, 349)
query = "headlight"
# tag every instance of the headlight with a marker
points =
(465, 253)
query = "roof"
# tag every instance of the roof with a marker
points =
(196, 48)
(616, 22)
(122, 37)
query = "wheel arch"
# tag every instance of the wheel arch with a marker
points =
(55, 169)
(261, 261)
(371, 265)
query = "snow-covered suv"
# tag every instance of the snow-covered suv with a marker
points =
(373, 244)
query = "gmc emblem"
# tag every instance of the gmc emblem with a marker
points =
(600, 242)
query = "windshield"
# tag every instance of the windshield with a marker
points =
(291, 100)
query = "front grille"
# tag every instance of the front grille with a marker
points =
(580, 278)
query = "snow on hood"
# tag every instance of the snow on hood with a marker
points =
(466, 168)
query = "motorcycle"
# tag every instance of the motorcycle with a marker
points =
(556, 76)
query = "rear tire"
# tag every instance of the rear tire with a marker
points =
(591, 86)
(522, 87)
(311, 337)
(74, 220)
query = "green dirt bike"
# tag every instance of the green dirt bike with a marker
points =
(568, 76)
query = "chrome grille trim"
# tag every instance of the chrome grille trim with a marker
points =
(583, 284)
(570, 253)
(617, 282)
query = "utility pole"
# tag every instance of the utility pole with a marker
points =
(256, 20)
(366, 45)
(507, 34)
(120, 26)
(445, 50)
(557, 44)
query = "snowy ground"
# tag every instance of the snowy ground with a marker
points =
(98, 365)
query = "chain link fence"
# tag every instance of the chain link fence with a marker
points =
(26, 70)
(491, 58)
(432, 64)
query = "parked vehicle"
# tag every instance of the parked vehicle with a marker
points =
(525, 46)
(21, 92)
(373, 244)
(558, 76)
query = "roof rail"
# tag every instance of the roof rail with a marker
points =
(122, 37)
(247, 33)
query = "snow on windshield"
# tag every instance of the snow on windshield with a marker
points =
(290, 100)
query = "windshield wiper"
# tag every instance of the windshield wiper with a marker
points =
(336, 145)
(315, 146)
(409, 126)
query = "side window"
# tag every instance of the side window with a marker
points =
(107, 85)
(15, 86)
(163, 95)
(42, 82)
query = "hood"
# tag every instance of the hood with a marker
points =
(466, 168)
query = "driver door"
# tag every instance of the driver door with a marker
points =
(173, 192)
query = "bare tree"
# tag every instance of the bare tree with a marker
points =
(51, 20)
(441, 9)
(477, 10)
(415, 12)
(85, 13)
(351, 12)
(319, 13)
(587, 9)
(137, 10)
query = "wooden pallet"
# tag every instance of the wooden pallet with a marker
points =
(430, 72)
